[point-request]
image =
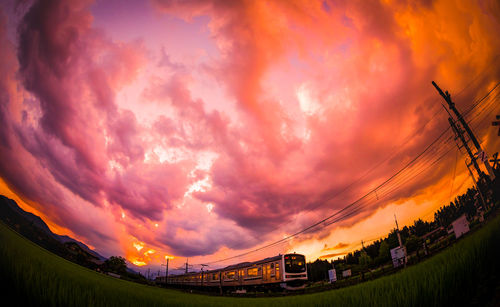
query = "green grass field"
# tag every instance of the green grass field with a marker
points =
(464, 274)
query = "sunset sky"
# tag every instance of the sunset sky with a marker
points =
(207, 129)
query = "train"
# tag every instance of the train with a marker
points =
(288, 271)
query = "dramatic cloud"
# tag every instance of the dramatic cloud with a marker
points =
(338, 246)
(210, 128)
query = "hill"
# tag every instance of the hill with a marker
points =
(35, 229)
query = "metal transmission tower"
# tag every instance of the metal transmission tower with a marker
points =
(472, 137)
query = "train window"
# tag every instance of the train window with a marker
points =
(253, 272)
(230, 275)
(296, 264)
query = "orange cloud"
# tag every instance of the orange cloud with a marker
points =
(291, 111)
(328, 256)
(340, 245)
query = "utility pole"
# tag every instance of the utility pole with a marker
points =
(220, 282)
(400, 241)
(397, 232)
(166, 271)
(459, 134)
(451, 106)
(187, 265)
(202, 266)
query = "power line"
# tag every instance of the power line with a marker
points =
(327, 198)
(490, 105)
(338, 212)
(479, 101)
(413, 176)
(337, 216)
(454, 173)
(394, 153)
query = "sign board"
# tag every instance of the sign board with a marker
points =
(346, 273)
(398, 255)
(332, 275)
(460, 226)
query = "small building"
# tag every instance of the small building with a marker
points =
(460, 226)
(332, 275)
(398, 255)
(346, 273)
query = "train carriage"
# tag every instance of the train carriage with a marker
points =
(287, 271)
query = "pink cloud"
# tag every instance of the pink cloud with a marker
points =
(374, 90)
(322, 93)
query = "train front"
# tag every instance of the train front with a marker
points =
(295, 271)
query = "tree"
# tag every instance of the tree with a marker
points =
(372, 249)
(384, 253)
(412, 243)
(318, 270)
(420, 228)
(392, 239)
(115, 264)
(364, 260)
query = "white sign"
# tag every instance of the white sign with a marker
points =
(460, 226)
(398, 255)
(346, 273)
(332, 274)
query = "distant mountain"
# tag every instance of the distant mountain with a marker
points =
(66, 239)
(34, 228)
(132, 271)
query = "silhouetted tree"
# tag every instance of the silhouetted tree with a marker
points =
(420, 228)
(318, 270)
(115, 264)
(378, 252)
(392, 239)
(364, 260)
(384, 253)
(372, 249)
(412, 243)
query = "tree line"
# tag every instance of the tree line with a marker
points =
(472, 203)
